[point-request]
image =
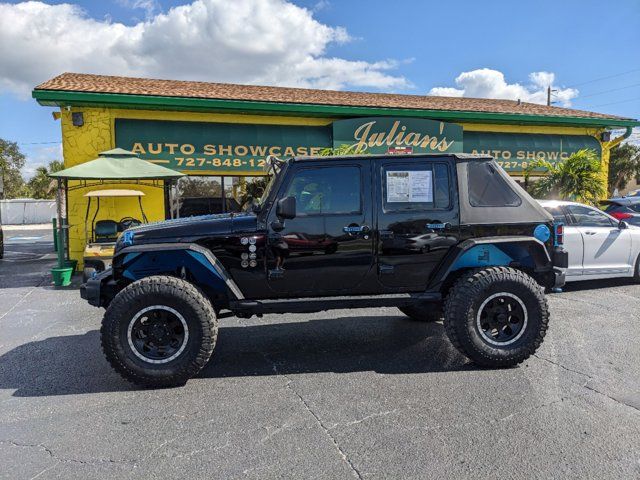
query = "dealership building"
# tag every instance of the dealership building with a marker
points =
(219, 134)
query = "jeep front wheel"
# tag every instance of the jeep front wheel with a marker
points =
(159, 331)
(497, 316)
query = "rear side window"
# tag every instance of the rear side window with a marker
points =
(558, 214)
(588, 217)
(415, 187)
(487, 188)
(326, 191)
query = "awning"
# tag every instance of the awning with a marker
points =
(117, 164)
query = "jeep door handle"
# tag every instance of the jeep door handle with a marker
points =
(590, 233)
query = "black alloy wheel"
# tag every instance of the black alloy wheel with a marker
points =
(158, 334)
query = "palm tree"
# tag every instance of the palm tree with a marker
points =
(343, 149)
(40, 185)
(577, 178)
(624, 165)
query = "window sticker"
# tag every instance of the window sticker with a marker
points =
(406, 186)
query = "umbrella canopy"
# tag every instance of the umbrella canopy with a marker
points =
(117, 164)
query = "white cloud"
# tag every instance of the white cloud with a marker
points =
(39, 156)
(245, 41)
(488, 83)
(150, 7)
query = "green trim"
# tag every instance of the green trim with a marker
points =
(154, 102)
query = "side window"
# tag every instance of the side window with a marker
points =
(558, 214)
(415, 187)
(322, 191)
(588, 217)
(487, 188)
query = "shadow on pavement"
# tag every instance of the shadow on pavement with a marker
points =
(74, 364)
(597, 284)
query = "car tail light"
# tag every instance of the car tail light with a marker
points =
(559, 237)
(621, 215)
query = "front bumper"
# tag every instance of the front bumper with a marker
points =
(92, 291)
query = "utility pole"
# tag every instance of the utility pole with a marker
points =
(549, 93)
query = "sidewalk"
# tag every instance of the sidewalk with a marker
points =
(36, 226)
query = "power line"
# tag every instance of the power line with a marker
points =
(604, 78)
(614, 103)
(607, 91)
(37, 143)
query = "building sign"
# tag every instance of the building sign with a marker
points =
(240, 149)
(397, 135)
(217, 148)
(515, 151)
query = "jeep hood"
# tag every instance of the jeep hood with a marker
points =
(191, 229)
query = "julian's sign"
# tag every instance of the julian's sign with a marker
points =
(393, 135)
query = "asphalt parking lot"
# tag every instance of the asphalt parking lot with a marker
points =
(341, 394)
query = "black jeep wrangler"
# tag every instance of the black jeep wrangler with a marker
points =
(449, 236)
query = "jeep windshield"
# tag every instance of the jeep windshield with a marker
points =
(272, 167)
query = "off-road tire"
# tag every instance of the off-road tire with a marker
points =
(167, 291)
(423, 312)
(461, 315)
(636, 272)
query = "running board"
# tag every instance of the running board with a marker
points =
(246, 308)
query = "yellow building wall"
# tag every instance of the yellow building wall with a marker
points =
(81, 144)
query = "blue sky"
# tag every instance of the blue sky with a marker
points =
(416, 47)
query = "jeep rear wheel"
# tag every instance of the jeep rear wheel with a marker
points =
(497, 316)
(423, 312)
(159, 331)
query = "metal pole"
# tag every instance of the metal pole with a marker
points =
(60, 233)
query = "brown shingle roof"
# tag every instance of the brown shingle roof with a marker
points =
(79, 82)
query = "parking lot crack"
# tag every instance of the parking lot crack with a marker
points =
(50, 453)
(289, 385)
(611, 397)
(364, 419)
(562, 366)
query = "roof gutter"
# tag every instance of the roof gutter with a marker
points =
(154, 102)
(618, 140)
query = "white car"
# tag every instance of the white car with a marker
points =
(599, 246)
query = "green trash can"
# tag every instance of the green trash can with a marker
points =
(62, 276)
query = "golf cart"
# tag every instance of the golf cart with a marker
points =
(104, 233)
(111, 169)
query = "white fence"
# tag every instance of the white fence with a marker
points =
(26, 211)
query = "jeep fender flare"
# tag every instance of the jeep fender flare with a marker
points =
(139, 261)
(520, 251)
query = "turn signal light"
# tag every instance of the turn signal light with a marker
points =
(621, 215)
(559, 231)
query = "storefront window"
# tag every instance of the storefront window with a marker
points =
(203, 195)
(199, 195)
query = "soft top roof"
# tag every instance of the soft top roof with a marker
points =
(458, 156)
(523, 208)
